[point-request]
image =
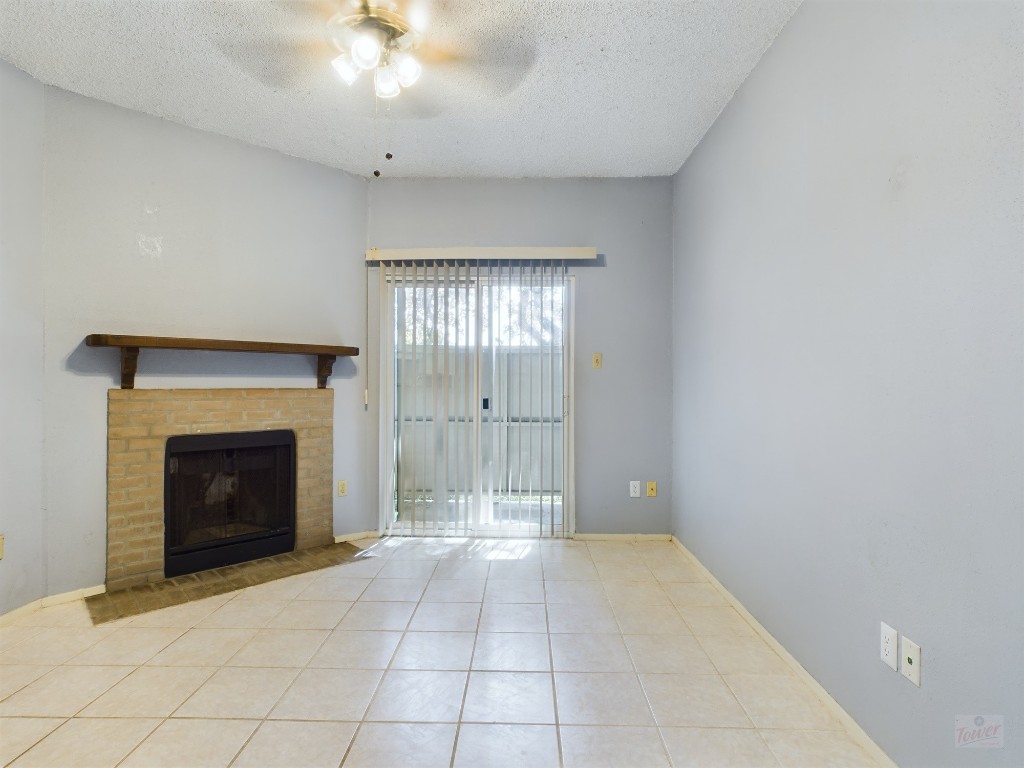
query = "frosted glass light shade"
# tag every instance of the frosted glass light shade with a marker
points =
(407, 69)
(385, 83)
(340, 32)
(366, 52)
(345, 68)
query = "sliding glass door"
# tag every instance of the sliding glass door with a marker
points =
(476, 383)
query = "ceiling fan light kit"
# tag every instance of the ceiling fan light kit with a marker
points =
(377, 39)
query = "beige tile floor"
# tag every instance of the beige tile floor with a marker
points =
(423, 653)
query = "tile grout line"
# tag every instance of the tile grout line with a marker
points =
(305, 667)
(225, 664)
(632, 662)
(551, 663)
(719, 674)
(640, 682)
(391, 661)
(38, 741)
(141, 742)
(284, 693)
(469, 671)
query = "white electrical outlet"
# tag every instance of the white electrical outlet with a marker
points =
(634, 489)
(910, 660)
(890, 645)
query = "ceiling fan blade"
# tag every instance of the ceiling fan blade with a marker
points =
(281, 45)
(278, 64)
(494, 66)
(471, 41)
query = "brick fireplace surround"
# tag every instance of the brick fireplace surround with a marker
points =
(139, 421)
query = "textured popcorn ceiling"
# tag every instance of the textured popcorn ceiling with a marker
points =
(543, 88)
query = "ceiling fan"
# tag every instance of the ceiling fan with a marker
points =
(456, 42)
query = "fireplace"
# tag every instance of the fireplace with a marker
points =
(140, 422)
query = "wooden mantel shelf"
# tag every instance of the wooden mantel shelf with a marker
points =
(130, 346)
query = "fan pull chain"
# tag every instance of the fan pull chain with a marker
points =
(378, 143)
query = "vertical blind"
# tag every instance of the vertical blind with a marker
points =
(475, 380)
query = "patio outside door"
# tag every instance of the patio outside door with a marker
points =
(476, 378)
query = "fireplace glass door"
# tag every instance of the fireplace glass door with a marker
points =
(228, 498)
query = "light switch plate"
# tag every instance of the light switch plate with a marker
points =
(910, 660)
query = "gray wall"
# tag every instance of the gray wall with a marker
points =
(22, 577)
(623, 411)
(153, 228)
(849, 370)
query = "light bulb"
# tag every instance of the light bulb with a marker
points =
(407, 69)
(385, 83)
(345, 68)
(366, 52)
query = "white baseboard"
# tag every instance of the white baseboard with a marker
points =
(840, 714)
(356, 536)
(46, 602)
(633, 538)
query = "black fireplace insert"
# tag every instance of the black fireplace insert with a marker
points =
(228, 498)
